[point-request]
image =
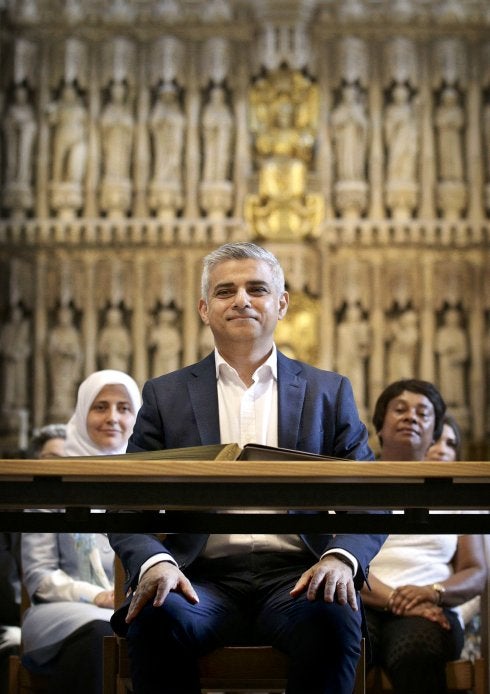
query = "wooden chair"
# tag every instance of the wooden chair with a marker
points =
(251, 668)
(461, 675)
(234, 668)
(22, 680)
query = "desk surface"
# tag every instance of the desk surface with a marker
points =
(260, 471)
(197, 494)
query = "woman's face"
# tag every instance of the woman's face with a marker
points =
(408, 427)
(445, 448)
(111, 418)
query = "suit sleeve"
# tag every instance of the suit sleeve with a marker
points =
(148, 433)
(134, 550)
(351, 435)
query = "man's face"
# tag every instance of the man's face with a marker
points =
(243, 304)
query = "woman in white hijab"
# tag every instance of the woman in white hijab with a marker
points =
(69, 575)
(107, 402)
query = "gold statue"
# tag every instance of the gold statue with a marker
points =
(284, 112)
(297, 335)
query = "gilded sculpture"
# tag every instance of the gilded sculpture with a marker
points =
(284, 113)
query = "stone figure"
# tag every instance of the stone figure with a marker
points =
(402, 350)
(20, 129)
(451, 347)
(217, 127)
(486, 138)
(167, 127)
(15, 351)
(65, 360)
(69, 118)
(166, 343)
(486, 353)
(449, 121)
(114, 343)
(117, 129)
(353, 347)
(349, 126)
(401, 138)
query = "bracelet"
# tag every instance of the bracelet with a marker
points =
(386, 608)
(440, 590)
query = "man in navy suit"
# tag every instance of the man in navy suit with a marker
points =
(195, 593)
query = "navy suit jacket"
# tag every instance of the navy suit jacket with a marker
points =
(316, 413)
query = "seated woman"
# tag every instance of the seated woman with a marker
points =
(68, 575)
(447, 449)
(448, 446)
(418, 581)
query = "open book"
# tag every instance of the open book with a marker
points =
(226, 451)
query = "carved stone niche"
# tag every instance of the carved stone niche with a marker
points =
(351, 198)
(452, 199)
(216, 198)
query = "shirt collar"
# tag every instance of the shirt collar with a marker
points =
(270, 364)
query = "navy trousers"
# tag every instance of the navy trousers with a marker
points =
(244, 600)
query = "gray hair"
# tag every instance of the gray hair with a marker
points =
(241, 251)
(46, 433)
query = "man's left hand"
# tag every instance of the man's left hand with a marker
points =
(330, 576)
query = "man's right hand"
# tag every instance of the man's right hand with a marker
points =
(156, 583)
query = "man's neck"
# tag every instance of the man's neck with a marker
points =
(245, 361)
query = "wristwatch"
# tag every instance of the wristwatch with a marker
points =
(440, 590)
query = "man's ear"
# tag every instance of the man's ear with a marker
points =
(203, 311)
(283, 305)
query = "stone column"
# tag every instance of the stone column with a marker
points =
(93, 153)
(324, 156)
(427, 368)
(427, 160)
(89, 314)
(375, 154)
(242, 164)
(42, 162)
(474, 148)
(326, 328)
(192, 140)
(40, 381)
(191, 321)
(376, 370)
(477, 358)
(139, 327)
(141, 162)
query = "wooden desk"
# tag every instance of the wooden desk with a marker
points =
(191, 492)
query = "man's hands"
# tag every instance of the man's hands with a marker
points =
(330, 577)
(156, 583)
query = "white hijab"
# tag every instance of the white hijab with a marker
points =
(78, 442)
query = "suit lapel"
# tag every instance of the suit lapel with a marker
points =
(203, 394)
(291, 389)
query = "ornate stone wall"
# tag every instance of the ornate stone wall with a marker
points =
(351, 137)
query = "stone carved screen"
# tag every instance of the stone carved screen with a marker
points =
(136, 136)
